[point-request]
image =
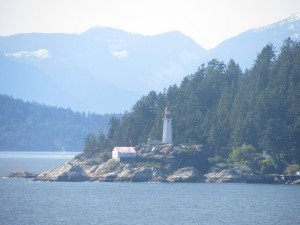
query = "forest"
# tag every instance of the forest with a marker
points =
(233, 112)
(29, 126)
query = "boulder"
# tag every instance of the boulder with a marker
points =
(296, 181)
(76, 173)
(225, 176)
(22, 174)
(165, 149)
(108, 177)
(142, 174)
(158, 175)
(125, 175)
(65, 172)
(186, 174)
(107, 171)
(135, 174)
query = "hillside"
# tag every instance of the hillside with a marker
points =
(224, 108)
(90, 70)
(29, 126)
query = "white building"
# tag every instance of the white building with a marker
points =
(119, 153)
(167, 129)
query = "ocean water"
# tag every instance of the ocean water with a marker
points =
(31, 161)
(24, 201)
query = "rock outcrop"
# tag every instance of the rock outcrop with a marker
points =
(22, 174)
(162, 163)
(156, 163)
(225, 176)
(186, 174)
(65, 172)
(296, 181)
(241, 173)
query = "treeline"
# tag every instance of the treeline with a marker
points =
(29, 126)
(225, 108)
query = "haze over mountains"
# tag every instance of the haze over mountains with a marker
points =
(106, 70)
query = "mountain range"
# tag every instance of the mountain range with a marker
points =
(106, 70)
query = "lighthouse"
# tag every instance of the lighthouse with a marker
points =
(167, 130)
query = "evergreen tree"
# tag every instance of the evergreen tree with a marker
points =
(224, 108)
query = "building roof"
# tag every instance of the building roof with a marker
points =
(125, 149)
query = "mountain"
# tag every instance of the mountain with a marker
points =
(29, 126)
(29, 82)
(100, 70)
(244, 47)
(107, 70)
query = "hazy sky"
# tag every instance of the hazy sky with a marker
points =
(208, 22)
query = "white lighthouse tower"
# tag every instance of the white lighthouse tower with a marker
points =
(167, 130)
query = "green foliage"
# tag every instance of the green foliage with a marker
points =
(95, 158)
(269, 166)
(104, 156)
(29, 126)
(96, 144)
(222, 107)
(292, 169)
(103, 142)
(114, 131)
(90, 143)
(214, 160)
(243, 154)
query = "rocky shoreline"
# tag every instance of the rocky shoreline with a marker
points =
(22, 174)
(165, 163)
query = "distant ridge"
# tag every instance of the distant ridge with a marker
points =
(244, 47)
(29, 126)
(107, 70)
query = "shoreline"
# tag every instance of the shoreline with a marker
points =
(250, 179)
(155, 163)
